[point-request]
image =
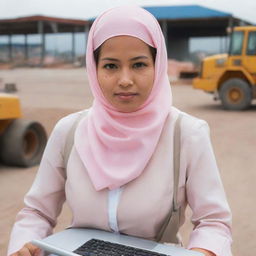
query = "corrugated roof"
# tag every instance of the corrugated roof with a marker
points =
(185, 12)
(29, 25)
(44, 18)
(181, 13)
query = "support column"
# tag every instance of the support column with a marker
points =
(165, 31)
(87, 28)
(10, 48)
(73, 45)
(231, 22)
(230, 29)
(26, 47)
(41, 31)
(55, 30)
(54, 26)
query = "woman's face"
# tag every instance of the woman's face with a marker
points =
(125, 72)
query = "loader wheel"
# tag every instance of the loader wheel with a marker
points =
(23, 143)
(236, 94)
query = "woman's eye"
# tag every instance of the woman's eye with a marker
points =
(110, 66)
(139, 65)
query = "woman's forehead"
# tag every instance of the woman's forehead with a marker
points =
(125, 39)
(124, 43)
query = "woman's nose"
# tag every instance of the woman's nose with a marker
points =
(126, 78)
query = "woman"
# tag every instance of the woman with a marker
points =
(123, 147)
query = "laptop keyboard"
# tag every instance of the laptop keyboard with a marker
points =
(95, 247)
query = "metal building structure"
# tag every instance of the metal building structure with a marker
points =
(40, 25)
(178, 23)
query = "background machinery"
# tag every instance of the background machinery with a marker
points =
(22, 142)
(232, 77)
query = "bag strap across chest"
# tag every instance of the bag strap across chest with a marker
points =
(70, 138)
(169, 229)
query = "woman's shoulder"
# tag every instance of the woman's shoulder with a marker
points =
(65, 123)
(191, 124)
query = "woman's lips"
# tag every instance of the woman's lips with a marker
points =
(126, 96)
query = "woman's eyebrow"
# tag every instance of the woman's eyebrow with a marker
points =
(139, 57)
(132, 59)
(109, 59)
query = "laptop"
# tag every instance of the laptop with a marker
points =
(93, 242)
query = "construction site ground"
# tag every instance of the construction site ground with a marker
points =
(48, 94)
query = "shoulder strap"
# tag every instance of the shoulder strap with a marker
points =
(176, 161)
(169, 230)
(70, 138)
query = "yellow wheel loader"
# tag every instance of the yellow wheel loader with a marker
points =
(232, 77)
(22, 142)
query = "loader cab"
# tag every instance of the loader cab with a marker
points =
(232, 77)
(242, 50)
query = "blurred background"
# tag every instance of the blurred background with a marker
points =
(42, 64)
(50, 33)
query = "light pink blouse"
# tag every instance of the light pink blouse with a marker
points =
(144, 202)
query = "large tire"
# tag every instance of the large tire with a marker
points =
(23, 143)
(236, 94)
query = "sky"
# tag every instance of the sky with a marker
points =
(84, 9)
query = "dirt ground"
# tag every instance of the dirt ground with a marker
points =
(48, 94)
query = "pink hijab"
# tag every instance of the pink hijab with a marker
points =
(115, 147)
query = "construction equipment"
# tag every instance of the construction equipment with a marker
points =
(232, 77)
(22, 142)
